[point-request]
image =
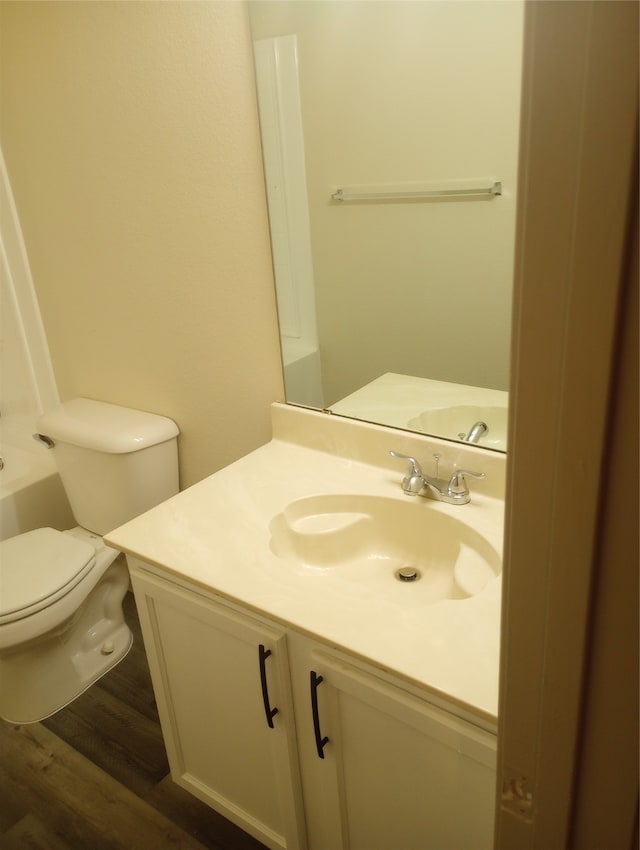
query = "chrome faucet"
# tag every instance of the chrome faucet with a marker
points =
(454, 491)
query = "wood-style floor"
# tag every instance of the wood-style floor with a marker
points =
(95, 776)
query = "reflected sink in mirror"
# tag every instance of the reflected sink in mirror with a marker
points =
(367, 539)
(456, 422)
(438, 408)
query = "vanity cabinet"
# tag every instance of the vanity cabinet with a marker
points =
(301, 746)
(221, 682)
(383, 769)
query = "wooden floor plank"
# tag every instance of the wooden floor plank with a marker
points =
(30, 834)
(205, 824)
(13, 805)
(114, 736)
(83, 805)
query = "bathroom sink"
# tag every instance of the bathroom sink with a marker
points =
(453, 421)
(368, 539)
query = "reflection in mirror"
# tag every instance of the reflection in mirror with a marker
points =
(394, 307)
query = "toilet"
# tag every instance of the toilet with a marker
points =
(61, 621)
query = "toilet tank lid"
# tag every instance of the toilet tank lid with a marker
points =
(105, 427)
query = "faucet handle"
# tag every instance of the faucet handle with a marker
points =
(414, 467)
(457, 482)
(413, 481)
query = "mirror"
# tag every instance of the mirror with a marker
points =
(390, 142)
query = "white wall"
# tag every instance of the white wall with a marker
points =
(131, 140)
(402, 92)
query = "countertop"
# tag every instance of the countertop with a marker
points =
(216, 535)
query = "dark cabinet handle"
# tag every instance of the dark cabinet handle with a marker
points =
(270, 713)
(320, 741)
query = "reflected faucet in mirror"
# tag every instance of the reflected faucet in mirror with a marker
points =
(478, 429)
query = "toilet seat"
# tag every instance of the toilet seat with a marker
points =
(39, 567)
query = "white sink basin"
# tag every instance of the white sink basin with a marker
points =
(450, 422)
(367, 539)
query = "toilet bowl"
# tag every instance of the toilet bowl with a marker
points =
(57, 637)
(62, 625)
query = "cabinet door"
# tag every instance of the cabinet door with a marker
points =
(223, 691)
(393, 771)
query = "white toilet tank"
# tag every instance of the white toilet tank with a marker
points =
(114, 462)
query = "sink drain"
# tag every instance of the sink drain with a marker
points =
(407, 574)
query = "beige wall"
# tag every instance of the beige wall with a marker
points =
(130, 136)
(404, 93)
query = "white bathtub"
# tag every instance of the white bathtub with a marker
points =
(31, 493)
